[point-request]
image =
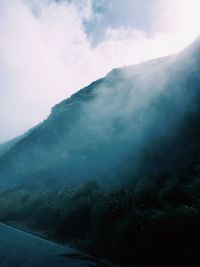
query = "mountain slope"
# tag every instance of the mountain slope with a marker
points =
(6, 146)
(141, 120)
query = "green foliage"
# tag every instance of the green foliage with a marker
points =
(129, 226)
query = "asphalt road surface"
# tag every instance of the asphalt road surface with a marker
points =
(21, 249)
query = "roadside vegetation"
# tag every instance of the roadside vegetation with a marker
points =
(156, 223)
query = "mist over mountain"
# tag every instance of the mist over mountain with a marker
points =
(114, 169)
(138, 121)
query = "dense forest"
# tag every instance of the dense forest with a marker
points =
(115, 168)
(153, 223)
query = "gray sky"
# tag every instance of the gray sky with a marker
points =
(49, 49)
(139, 14)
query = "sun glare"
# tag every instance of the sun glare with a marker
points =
(188, 24)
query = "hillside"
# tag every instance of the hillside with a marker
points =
(6, 146)
(141, 120)
(115, 168)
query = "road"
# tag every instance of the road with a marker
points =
(21, 249)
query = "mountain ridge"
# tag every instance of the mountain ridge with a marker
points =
(104, 129)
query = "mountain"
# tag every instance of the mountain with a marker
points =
(138, 121)
(6, 146)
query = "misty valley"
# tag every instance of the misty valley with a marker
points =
(115, 169)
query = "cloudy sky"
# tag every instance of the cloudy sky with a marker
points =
(51, 48)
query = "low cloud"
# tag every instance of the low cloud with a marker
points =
(46, 54)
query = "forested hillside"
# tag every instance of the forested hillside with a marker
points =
(115, 168)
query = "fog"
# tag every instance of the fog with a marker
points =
(125, 125)
(50, 49)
